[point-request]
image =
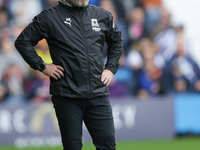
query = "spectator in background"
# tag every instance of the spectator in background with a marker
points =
(120, 9)
(149, 77)
(152, 9)
(129, 5)
(124, 9)
(181, 38)
(149, 80)
(184, 72)
(150, 52)
(165, 36)
(179, 83)
(23, 11)
(4, 22)
(110, 6)
(13, 82)
(134, 62)
(146, 51)
(5, 33)
(37, 88)
(136, 27)
(9, 55)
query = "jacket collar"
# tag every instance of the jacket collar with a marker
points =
(69, 7)
(64, 2)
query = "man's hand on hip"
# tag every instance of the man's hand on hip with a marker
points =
(106, 77)
(54, 71)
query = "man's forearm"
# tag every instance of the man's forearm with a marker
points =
(28, 53)
(114, 53)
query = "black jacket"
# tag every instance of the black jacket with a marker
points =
(76, 37)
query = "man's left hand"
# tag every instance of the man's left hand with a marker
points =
(106, 77)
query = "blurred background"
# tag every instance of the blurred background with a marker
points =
(154, 94)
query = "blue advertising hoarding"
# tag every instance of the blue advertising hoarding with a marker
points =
(187, 113)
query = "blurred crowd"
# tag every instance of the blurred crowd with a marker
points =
(156, 58)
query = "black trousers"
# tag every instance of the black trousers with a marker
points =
(97, 116)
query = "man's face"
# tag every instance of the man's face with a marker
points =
(78, 3)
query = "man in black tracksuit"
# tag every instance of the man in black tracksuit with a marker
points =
(76, 33)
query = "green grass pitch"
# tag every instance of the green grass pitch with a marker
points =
(176, 144)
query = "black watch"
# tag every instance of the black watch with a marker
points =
(42, 66)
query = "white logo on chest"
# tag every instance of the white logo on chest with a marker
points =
(95, 25)
(68, 21)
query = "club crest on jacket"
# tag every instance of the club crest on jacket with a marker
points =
(95, 25)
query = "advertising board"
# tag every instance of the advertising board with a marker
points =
(36, 125)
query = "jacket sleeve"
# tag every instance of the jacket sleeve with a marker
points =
(30, 36)
(115, 45)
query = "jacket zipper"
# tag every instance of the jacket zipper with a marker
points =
(88, 58)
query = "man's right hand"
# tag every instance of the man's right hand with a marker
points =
(54, 71)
